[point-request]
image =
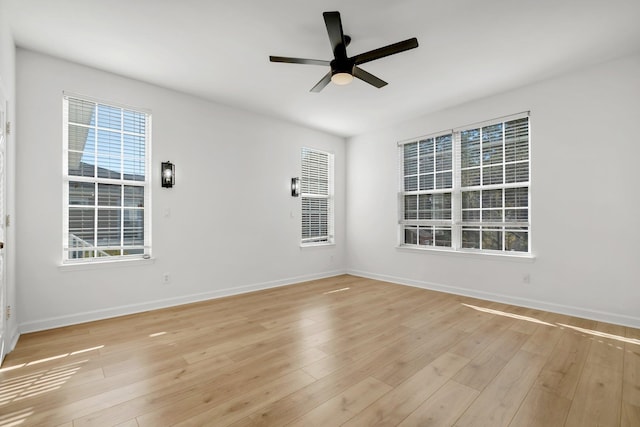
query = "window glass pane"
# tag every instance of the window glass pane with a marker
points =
(425, 206)
(410, 207)
(426, 147)
(470, 199)
(492, 239)
(314, 217)
(109, 195)
(81, 227)
(410, 160)
(471, 216)
(444, 180)
(133, 146)
(470, 147)
(470, 177)
(133, 196)
(492, 198)
(109, 167)
(442, 237)
(85, 253)
(410, 235)
(108, 227)
(426, 164)
(516, 197)
(411, 166)
(81, 193)
(492, 144)
(109, 117)
(134, 227)
(134, 122)
(82, 112)
(426, 182)
(516, 140)
(426, 236)
(492, 175)
(492, 215)
(411, 183)
(133, 169)
(444, 153)
(519, 215)
(517, 172)
(470, 238)
(81, 151)
(517, 240)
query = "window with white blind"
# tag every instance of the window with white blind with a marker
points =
(468, 189)
(106, 181)
(316, 188)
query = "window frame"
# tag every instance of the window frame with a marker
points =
(458, 224)
(307, 194)
(97, 181)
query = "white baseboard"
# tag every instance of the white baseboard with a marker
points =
(90, 316)
(601, 316)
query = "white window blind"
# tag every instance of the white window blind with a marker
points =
(469, 188)
(106, 181)
(316, 187)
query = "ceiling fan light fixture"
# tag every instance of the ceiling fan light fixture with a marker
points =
(342, 78)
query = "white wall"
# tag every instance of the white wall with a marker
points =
(233, 226)
(8, 84)
(585, 201)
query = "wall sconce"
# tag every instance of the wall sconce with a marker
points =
(168, 174)
(295, 187)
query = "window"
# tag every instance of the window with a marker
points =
(468, 189)
(316, 185)
(106, 181)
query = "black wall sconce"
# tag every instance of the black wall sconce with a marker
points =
(295, 187)
(168, 174)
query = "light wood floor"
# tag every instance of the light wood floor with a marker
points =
(339, 351)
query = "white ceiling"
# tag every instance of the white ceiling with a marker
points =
(219, 50)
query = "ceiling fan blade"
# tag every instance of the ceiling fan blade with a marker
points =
(322, 83)
(298, 60)
(368, 77)
(336, 36)
(386, 51)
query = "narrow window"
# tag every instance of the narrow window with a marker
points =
(106, 181)
(316, 184)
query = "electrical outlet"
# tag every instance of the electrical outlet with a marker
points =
(166, 278)
(8, 312)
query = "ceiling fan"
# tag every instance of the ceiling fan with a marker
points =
(344, 68)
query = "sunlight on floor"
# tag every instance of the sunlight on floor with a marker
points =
(512, 315)
(602, 334)
(157, 334)
(16, 418)
(48, 359)
(336, 290)
(562, 325)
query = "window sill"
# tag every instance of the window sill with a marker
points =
(316, 245)
(506, 256)
(92, 265)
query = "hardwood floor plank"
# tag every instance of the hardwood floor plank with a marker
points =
(500, 400)
(597, 400)
(398, 403)
(443, 408)
(630, 415)
(541, 408)
(198, 412)
(483, 368)
(345, 405)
